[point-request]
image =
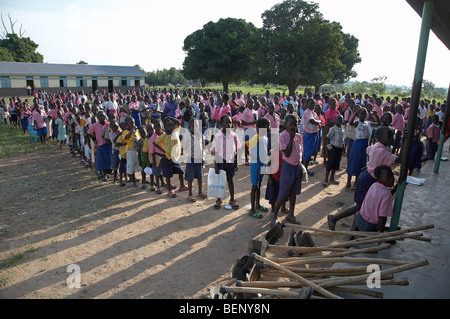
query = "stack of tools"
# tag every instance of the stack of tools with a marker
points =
(300, 269)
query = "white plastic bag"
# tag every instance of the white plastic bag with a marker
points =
(216, 183)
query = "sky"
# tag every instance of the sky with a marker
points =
(150, 33)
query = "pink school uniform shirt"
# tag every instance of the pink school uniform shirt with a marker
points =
(377, 203)
(330, 115)
(379, 110)
(133, 106)
(297, 147)
(379, 154)
(248, 116)
(226, 146)
(97, 129)
(434, 132)
(274, 120)
(398, 122)
(38, 118)
(151, 148)
(223, 110)
(308, 127)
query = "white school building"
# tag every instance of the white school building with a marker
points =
(15, 77)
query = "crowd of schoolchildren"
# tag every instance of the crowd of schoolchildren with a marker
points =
(147, 132)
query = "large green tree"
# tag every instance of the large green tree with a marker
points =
(220, 52)
(20, 48)
(299, 47)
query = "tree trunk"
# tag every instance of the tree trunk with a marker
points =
(292, 87)
(225, 86)
(317, 88)
(203, 83)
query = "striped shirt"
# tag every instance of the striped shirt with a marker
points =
(336, 136)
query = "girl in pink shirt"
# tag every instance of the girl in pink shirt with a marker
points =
(291, 147)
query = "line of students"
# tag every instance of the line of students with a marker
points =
(123, 147)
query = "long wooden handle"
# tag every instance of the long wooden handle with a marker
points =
(316, 287)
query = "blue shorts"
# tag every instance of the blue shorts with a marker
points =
(364, 225)
(169, 168)
(193, 170)
(290, 181)
(255, 174)
(272, 191)
(115, 160)
(42, 131)
(334, 158)
(123, 166)
(229, 168)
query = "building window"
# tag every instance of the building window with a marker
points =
(44, 82)
(81, 82)
(137, 82)
(5, 82)
(124, 82)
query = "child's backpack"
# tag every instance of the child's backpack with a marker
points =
(188, 114)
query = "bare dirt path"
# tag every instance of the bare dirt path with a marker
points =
(128, 242)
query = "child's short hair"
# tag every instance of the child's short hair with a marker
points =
(223, 117)
(262, 122)
(289, 118)
(381, 171)
(382, 131)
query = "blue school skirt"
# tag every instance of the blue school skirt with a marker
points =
(415, 161)
(309, 145)
(137, 118)
(272, 191)
(290, 180)
(357, 158)
(104, 153)
(25, 123)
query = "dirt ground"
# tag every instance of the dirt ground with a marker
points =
(129, 242)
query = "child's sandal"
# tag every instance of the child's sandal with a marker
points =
(171, 194)
(192, 199)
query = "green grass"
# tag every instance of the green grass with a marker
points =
(13, 141)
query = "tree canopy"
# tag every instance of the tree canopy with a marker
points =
(20, 49)
(220, 51)
(298, 46)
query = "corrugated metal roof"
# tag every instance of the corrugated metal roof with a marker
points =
(49, 69)
(440, 24)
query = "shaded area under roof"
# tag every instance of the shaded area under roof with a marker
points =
(49, 69)
(440, 24)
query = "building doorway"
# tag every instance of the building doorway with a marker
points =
(94, 85)
(110, 86)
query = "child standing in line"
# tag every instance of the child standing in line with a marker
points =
(150, 128)
(115, 159)
(61, 129)
(291, 145)
(417, 149)
(398, 123)
(156, 155)
(142, 157)
(123, 148)
(104, 150)
(131, 136)
(335, 146)
(194, 146)
(357, 158)
(259, 153)
(224, 147)
(169, 144)
(433, 135)
(377, 205)
(273, 185)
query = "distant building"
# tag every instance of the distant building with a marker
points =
(17, 76)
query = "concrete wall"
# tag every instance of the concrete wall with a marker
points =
(19, 84)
